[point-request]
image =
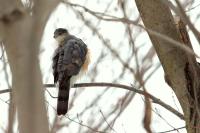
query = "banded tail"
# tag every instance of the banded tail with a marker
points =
(63, 97)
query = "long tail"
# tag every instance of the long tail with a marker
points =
(63, 97)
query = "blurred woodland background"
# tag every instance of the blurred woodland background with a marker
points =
(143, 76)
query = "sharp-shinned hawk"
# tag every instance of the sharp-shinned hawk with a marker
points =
(70, 60)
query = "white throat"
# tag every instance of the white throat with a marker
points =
(60, 39)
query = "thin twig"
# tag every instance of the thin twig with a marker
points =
(80, 123)
(111, 18)
(107, 44)
(187, 20)
(107, 121)
(162, 118)
(171, 130)
(180, 11)
(12, 108)
(50, 94)
(153, 98)
(192, 8)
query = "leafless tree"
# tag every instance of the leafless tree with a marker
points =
(22, 25)
(21, 33)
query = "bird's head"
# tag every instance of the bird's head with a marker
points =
(60, 34)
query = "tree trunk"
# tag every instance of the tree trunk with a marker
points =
(21, 33)
(180, 67)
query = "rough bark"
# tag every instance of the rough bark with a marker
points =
(181, 68)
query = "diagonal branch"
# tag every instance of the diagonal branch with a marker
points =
(180, 11)
(130, 88)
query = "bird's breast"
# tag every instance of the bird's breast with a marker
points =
(83, 70)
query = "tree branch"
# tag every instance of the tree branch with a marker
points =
(130, 88)
(5, 91)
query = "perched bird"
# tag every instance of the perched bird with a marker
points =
(70, 61)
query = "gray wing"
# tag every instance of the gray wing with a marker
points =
(74, 55)
(55, 64)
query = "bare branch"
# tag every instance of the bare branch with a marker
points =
(107, 122)
(171, 130)
(130, 88)
(128, 21)
(80, 123)
(5, 91)
(180, 11)
(155, 100)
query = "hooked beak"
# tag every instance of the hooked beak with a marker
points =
(54, 36)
